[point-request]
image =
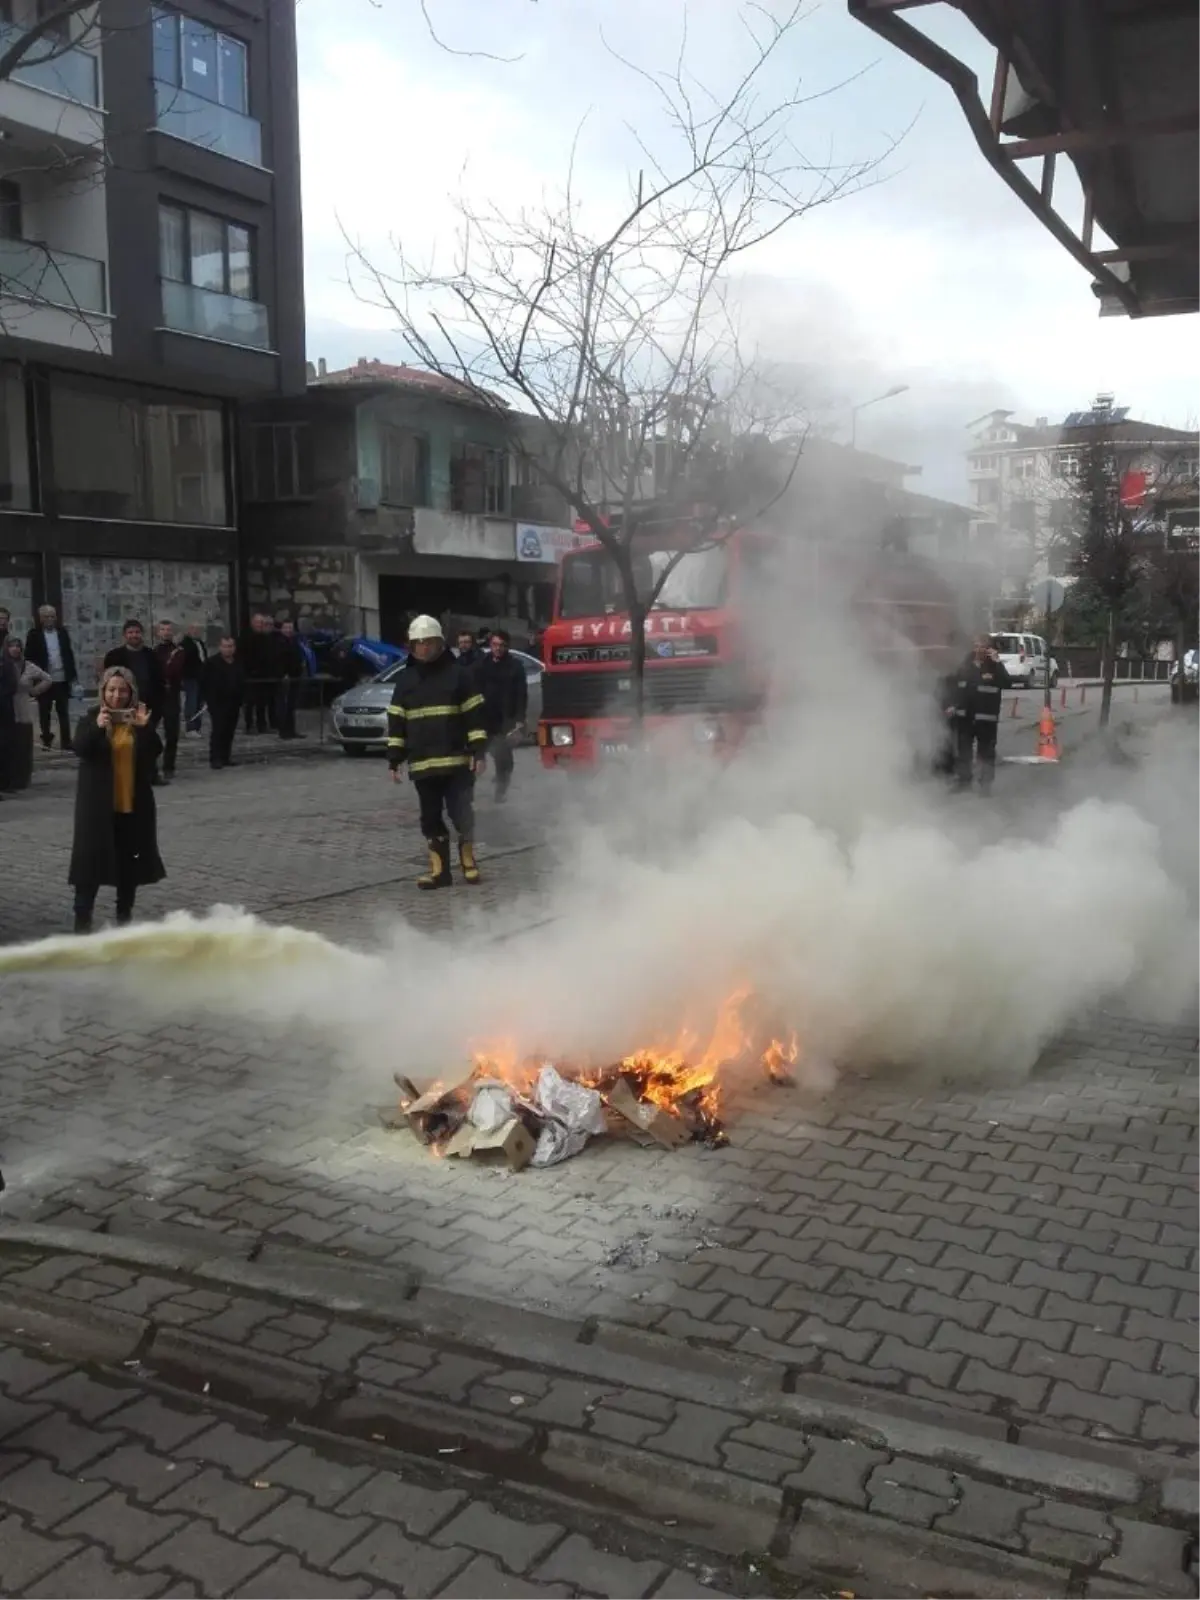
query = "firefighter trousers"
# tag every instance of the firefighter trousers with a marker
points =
(976, 740)
(447, 794)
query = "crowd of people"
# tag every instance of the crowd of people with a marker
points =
(450, 711)
(180, 681)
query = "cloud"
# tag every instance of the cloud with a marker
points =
(936, 277)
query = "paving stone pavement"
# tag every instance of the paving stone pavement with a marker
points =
(1025, 1252)
(108, 1489)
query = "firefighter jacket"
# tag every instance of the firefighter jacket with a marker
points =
(977, 690)
(435, 720)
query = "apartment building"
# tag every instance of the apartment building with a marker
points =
(150, 281)
(1022, 478)
(386, 490)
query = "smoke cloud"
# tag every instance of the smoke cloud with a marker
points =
(892, 925)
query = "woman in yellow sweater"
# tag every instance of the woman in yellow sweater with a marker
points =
(116, 825)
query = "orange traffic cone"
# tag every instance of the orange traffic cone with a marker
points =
(1047, 746)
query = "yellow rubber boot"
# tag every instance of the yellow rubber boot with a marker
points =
(466, 857)
(438, 876)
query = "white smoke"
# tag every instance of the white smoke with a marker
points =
(891, 924)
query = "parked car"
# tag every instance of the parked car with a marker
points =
(360, 715)
(1185, 685)
(1024, 654)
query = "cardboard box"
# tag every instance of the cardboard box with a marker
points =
(512, 1139)
(664, 1128)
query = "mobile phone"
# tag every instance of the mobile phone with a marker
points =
(119, 714)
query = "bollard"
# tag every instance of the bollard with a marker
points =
(1135, 694)
(1082, 693)
(1062, 698)
(1012, 707)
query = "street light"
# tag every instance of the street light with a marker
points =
(899, 388)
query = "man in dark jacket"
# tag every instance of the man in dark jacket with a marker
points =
(223, 687)
(136, 656)
(435, 723)
(48, 646)
(169, 654)
(195, 654)
(256, 652)
(501, 680)
(468, 652)
(291, 665)
(981, 678)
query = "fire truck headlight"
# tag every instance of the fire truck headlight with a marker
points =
(562, 735)
(708, 733)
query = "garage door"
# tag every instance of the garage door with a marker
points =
(99, 594)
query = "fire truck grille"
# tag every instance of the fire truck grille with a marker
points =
(669, 688)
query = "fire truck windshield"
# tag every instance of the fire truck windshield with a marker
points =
(697, 581)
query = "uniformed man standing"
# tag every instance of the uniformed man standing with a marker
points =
(981, 678)
(436, 725)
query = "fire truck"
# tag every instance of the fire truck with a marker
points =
(707, 678)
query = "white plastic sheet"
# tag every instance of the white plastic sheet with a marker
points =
(492, 1106)
(573, 1114)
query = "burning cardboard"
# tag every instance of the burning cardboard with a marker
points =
(511, 1139)
(537, 1114)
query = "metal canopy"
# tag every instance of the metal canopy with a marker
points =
(1111, 85)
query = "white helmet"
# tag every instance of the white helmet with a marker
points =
(424, 628)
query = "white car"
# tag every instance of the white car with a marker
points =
(1024, 655)
(360, 715)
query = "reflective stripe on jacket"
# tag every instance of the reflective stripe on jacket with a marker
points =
(435, 720)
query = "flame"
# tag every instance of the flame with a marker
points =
(778, 1059)
(681, 1076)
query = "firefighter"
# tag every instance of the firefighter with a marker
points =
(981, 678)
(436, 724)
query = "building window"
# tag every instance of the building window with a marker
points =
(479, 480)
(194, 57)
(15, 488)
(404, 463)
(1068, 464)
(987, 494)
(1022, 467)
(280, 462)
(205, 251)
(126, 459)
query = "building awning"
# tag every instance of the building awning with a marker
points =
(1109, 85)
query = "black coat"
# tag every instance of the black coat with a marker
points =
(977, 690)
(435, 720)
(35, 651)
(222, 684)
(195, 654)
(147, 674)
(93, 849)
(505, 692)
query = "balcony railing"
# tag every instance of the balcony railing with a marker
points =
(187, 309)
(52, 277)
(70, 72)
(203, 122)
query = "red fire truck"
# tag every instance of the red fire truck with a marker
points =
(704, 682)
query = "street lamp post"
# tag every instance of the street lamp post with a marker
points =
(899, 388)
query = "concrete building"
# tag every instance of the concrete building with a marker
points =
(1022, 480)
(150, 278)
(386, 490)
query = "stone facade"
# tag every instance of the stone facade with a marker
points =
(312, 584)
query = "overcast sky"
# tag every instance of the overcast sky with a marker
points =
(936, 277)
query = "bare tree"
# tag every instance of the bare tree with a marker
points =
(46, 37)
(620, 336)
(1106, 553)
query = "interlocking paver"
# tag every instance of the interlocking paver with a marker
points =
(1057, 1199)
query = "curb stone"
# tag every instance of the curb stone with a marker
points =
(701, 1489)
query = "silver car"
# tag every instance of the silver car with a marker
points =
(360, 715)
